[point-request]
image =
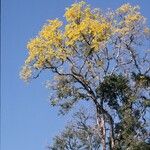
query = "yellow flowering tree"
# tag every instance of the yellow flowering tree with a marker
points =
(91, 46)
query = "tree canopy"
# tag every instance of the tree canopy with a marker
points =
(102, 57)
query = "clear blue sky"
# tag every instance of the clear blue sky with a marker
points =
(27, 120)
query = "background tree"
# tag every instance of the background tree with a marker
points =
(81, 134)
(101, 57)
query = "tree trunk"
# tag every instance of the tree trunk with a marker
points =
(101, 114)
(112, 142)
(101, 125)
(103, 132)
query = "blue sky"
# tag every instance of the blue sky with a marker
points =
(27, 120)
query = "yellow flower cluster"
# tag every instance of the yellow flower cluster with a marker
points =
(75, 12)
(83, 25)
(47, 46)
(124, 8)
(147, 32)
(133, 18)
(130, 18)
(86, 25)
(25, 73)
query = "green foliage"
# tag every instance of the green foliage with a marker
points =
(113, 89)
(118, 94)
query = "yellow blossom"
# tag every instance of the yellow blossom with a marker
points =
(130, 17)
(147, 31)
(86, 32)
(25, 73)
(74, 13)
(133, 18)
(86, 25)
(46, 45)
(124, 8)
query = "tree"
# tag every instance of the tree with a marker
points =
(101, 57)
(81, 134)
